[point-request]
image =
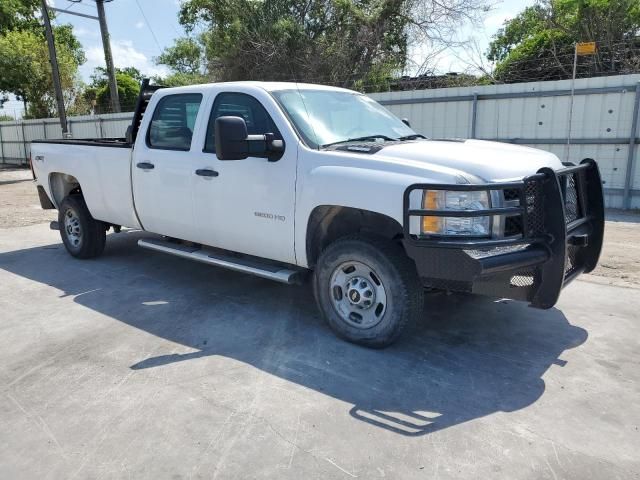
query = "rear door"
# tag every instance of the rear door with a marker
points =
(164, 164)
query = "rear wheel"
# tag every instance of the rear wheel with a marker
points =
(367, 289)
(82, 235)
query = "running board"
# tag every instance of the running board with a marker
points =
(244, 265)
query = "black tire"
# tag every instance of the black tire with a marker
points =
(82, 235)
(404, 295)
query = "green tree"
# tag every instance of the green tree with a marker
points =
(538, 43)
(361, 43)
(18, 15)
(26, 71)
(185, 56)
(24, 58)
(98, 93)
(178, 79)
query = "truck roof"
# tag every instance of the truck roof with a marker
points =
(268, 86)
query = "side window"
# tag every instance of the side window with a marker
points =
(239, 105)
(173, 120)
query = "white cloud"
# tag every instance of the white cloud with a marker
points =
(124, 55)
(139, 24)
(85, 32)
(496, 21)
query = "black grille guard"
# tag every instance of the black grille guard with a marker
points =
(562, 218)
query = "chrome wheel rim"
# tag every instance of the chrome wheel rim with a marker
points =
(358, 294)
(72, 228)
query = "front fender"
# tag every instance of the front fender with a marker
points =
(349, 186)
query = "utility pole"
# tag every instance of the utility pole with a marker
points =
(54, 69)
(113, 86)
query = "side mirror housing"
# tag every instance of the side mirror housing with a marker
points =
(406, 122)
(231, 138)
(233, 142)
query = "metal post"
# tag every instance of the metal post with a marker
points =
(474, 114)
(113, 86)
(1, 145)
(24, 142)
(573, 85)
(44, 128)
(626, 200)
(54, 68)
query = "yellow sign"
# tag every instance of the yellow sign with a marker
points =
(586, 48)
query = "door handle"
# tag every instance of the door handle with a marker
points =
(145, 165)
(205, 172)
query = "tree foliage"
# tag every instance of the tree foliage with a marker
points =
(18, 15)
(178, 79)
(25, 70)
(538, 43)
(343, 42)
(184, 56)
(97, 95)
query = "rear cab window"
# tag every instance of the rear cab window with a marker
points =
(173, 121)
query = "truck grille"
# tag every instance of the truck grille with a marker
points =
(514, 225)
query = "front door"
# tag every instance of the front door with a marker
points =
(164, 165)
(249, 205)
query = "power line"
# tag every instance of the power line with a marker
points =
(149, 26)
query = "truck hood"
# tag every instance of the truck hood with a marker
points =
(489, 161)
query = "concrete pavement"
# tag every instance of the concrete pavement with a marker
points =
(142, 365)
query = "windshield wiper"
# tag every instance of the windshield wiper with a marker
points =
(413, 136)
(358, 139)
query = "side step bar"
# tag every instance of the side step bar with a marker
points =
(244, 265)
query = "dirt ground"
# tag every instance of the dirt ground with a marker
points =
(19, 204)
(619, 263)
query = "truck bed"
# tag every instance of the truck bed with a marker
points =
(103, 173)
(119, 142)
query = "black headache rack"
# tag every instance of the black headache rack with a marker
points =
(553, 224)
(146, 91)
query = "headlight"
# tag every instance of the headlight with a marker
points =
(453, 200)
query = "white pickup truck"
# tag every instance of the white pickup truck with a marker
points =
(282, 179)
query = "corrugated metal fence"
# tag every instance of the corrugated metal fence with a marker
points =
(16, 136)
(604, 124)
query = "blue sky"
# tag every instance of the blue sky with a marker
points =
(140, 29)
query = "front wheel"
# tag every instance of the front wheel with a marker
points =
(367, 289)
(82, 235)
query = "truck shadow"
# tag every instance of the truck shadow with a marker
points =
(469, 358)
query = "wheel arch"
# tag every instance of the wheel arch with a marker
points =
(62, 185)
(327, 223)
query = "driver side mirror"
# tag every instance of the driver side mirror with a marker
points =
(231, 138)
(406, 122)
(234, 143)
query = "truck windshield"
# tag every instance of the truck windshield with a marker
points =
(326, 117)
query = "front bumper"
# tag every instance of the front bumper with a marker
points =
(559, 227)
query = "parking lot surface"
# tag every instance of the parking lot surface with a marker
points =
(142, 365)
